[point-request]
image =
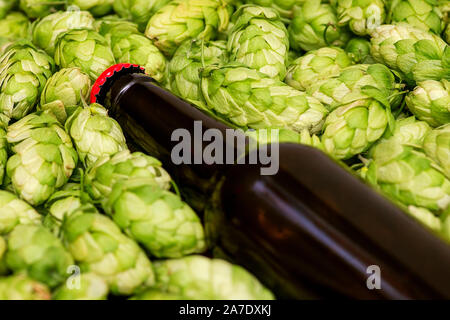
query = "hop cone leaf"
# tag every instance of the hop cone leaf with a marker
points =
(426, 217)
(64, 92)
(86, 286)
(85, 49)
(416, 54)
(430, 102)
(156, 218)
(259, 40)
(315, 26)
(316, 65)
(14, 26)
(97, 7)
(40, 8)
(285, 8)
(422, 14)
(24, 71)
(248, 98)
(15, 212)
(138, 11)
(129, 46)
(107, 171)
(197, 277)
(437, 147)
(36, 251)
(362, 16)
(43, 157)
(95, 134)
(180, 20)
(99, 247)
(20, 287)
(6, 6)
(185, 66)
(46, 30)
(3, 266)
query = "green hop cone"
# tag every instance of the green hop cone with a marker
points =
(40, 8)
(97, 7)
(138, 11)
(14, 26)
(36, 251)
(158, 219)
(285, 8)
(85, 49)
(185, 66)
(99, 247)
(266, 136)
(15, 212)
(316, 65)
(197, 277)
(46, 30)
(43, 157)
(107, 171)
(86, 286)
(437, 146)
(180, 20)
(400, 168)
(259, 40)
(430, 102)
(129, 46)
(354, 127)
(416, 54)
(3, 154)
(248, 98)
(24, 71)
(358, 82)
(362, 16)
(95, 134)
(62, 204)
(422, 14)
(20, 287)
(359, 50)
(6, 6)
(153, 294)
(315, 26)
(64, 92)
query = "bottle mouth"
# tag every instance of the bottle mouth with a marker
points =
(105, 81)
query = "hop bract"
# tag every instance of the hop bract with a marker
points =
(437, 146)
(285, 8)
(86, 286)
(96, 7)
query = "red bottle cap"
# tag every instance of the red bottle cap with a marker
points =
(104, 82)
